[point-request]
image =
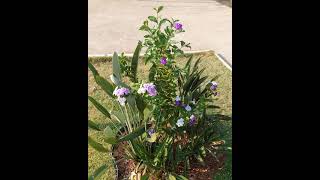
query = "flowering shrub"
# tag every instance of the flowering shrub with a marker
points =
(164, 121)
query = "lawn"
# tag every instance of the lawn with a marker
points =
(224, 100)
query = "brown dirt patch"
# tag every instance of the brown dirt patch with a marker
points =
(125, 167)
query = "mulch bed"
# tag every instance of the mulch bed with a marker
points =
(125, 167)
(197, 170)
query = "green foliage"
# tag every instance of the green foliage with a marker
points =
(102, 109)
(116, 66)
(148, 124)
(97, 146)
(97, 173)
(134, 62)
(93, 125)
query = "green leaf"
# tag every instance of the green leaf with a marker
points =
(152, 72)
(171, 177)
(141, 105)
(119, 116)
(180, 177)
(138, 132)
(159, 9)
(97, 173)
(117, 82)
(152, 18)
(203, 151)
(182, 43)
(140, 151)
(160, 149)
(116, 66)
(146, 113)
(145, 22)
(131, 100)
(105, 85)
(109, 136)
(102, 109)
(97, 146)
(144, 28)
(93, 125)
(144, 177)
(134, 62)
(92, 69)
(199, 158)
(162, 21)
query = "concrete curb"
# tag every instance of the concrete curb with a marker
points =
(219, 56)
(224, 61)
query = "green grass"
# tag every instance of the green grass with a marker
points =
(213, 68)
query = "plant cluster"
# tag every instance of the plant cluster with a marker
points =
(163, 121)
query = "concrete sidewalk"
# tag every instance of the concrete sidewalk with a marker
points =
(113, 24)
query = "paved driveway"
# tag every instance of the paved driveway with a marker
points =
(113, 24)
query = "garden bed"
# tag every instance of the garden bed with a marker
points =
(213, 68)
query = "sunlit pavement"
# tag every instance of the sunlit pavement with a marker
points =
(113, 24)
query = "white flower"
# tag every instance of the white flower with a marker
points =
(122, 100)
(178, 98)
(141, 90)
(187, 108)
(180, 122)
(115, 91)
(214, 83)
(193, 101)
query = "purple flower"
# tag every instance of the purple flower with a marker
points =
(121, 92)
(163, 60)
(151, 131)
(188, 108)
(178, 26)
(192, 120)
(178, 101)
(150, 88)
(214, 86)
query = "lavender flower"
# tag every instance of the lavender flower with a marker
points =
(150, 88)
(151, 131)
(163, 60)
(180, 122)
(178, 26)
(214, 85)
(121, 92)
(141, 90)
(192, 120)
(188, 108)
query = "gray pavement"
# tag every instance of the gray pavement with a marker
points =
(113, 24)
